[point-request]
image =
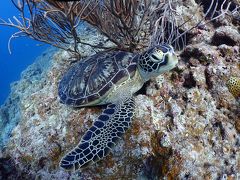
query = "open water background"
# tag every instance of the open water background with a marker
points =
(24, 51)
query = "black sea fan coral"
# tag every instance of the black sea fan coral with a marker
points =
(56, 22)
(131, 25)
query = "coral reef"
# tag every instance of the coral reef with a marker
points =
(11, 111)
(186, 125)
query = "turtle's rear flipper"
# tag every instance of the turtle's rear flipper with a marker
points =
(98, 141)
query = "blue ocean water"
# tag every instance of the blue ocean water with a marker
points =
(24, 51)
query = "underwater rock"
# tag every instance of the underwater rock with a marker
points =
(186, 123)
(11, 110)
(199, 53)
(7, 169)
(226, 35)
(237, 124)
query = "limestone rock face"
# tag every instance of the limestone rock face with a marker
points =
(186, 122)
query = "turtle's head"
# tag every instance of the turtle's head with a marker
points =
(156, 60)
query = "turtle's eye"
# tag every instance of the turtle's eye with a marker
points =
(157, 56)
(154, 57)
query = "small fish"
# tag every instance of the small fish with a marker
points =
(233, 85)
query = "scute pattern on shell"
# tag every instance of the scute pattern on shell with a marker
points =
(93, 77)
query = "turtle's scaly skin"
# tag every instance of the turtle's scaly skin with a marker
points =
(109, 78)
(233, 85)
(98, 141)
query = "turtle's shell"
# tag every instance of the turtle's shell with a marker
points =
(89, 81)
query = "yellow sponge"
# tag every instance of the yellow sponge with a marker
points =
(233, 85)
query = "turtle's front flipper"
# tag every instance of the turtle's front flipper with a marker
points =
(98, 141)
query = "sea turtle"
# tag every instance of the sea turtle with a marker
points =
(109, 78)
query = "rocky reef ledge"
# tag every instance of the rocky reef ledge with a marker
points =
(186, 125)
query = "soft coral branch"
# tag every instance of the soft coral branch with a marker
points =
(131, 25)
